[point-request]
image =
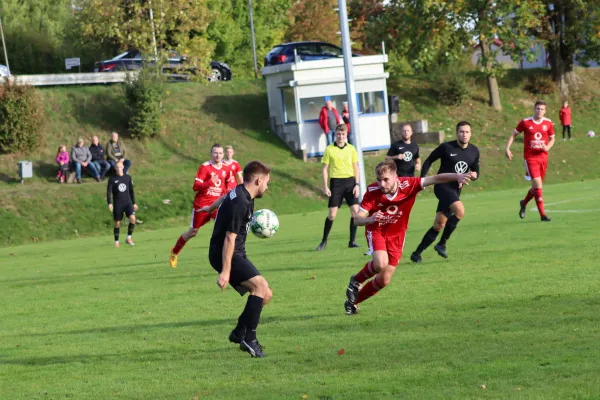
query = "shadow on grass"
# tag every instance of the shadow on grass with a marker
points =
(248, 114)
(105, 110)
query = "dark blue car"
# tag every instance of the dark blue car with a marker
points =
(132, 60)
(305, 51)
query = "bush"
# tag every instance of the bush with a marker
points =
(21, 117)
(540, 84)
(453, 89)
(398, 65)
(144, 95)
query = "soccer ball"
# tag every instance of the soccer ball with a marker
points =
(264, 223)
(591, 134)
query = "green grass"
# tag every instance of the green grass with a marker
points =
(197, 115)
(514, 308)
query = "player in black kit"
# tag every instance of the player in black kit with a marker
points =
(405, 153)
(227, 253)
(457, 156)
(120, 187)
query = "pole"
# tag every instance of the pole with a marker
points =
(253, 39)
(153, 31)
(351, 93)
(4, 46)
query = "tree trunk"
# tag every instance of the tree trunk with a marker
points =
(562, 48)
(492, 81)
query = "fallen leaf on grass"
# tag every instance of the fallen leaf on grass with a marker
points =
(312, 278)
(341, 352)
(483, 387)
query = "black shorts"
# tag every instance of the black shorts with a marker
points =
(119, 209)
(242, 269)
(447, 195)
(341, 188)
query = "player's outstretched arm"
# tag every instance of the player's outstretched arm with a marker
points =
(509, 143)
(433, 157)
(362, 218)
(462, 179)
(214, 205)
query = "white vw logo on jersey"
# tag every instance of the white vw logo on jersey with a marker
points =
(461, 167)
(408, 156)
(122, 187)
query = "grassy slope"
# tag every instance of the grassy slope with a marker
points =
(512, 314)
(237, 113)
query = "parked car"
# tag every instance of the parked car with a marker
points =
(132, 60)
(3, 71)
(306, 51)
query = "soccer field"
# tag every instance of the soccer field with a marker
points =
(513, 313)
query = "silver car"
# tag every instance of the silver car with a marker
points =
(3, 70)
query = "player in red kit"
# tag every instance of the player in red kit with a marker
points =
(210, 184)
(384, 211)
(538, 139)
(235, 167)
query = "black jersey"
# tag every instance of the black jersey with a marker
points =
(121, 190)
(406, 166)
(234, 216)
(454, 159)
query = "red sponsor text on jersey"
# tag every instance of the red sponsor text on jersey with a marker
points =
(206, 191)
(396, 208)
(535, 136)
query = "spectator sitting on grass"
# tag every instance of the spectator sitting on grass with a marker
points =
(81, 157)
(115, 151)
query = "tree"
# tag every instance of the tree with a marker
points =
(178, 25)
(314, 20)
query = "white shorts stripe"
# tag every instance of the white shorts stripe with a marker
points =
(192, 220)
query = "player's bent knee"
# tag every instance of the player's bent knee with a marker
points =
(385, 280)
(192, 233)
(268, 296)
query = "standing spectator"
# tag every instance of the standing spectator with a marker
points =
(328, 120)
(565, 119)
(98, 158)
(81, 157)
(346, 119)
(62, 158)
(115, 151)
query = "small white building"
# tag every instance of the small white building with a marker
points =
(298, 91)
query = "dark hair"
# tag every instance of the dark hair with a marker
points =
(254, 168)
(539, 103)
(385, 166)
(406, 124)
(215, 145)
(462, 123)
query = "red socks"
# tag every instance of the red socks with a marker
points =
(528, 197)
(367, 272)
(539, 201)
(179, 245)
(370, 289)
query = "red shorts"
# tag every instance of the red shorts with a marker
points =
(392, 245)
(201, 218)
(536, 167)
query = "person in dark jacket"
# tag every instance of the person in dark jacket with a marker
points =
(98, 158)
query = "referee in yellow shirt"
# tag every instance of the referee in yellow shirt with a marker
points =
(340, 163)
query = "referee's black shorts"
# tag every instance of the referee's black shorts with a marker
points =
(446, 195)
(242, 269)
(341, 188)
(120, 209)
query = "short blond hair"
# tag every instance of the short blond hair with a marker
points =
(341, 128)
(229, 147)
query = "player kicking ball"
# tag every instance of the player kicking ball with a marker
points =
(120, 188)
(384, 211)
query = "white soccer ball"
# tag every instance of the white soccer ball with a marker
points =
(591, 134)
(264, 223)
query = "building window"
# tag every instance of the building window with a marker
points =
(289, 106)
(371, 103)
(311, 107)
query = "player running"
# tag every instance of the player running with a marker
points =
(235, 167)
(456, 156)
(405, 153)
(538, 140)
(120, 188)
(209, 185)
(227, 253)
(384, 211)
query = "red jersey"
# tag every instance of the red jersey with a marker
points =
(396, 207)
(235, 169)
(536, 136)
(206, 191)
